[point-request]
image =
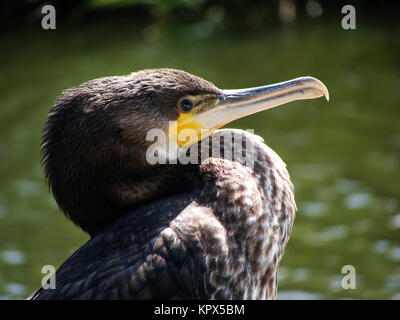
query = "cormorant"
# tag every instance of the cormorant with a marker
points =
(163, 227)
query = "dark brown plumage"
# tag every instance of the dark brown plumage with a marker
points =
(213, 230)
(94, 143)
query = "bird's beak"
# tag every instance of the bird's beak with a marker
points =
(235, 104)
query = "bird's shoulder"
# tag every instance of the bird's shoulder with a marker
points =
(152, 252)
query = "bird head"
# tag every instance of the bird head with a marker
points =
(95, 138)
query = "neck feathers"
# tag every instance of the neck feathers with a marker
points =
(254, 202)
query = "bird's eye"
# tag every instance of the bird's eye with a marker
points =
(186, 105)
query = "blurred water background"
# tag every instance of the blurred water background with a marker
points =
(343, 156)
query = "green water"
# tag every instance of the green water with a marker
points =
(343, 156)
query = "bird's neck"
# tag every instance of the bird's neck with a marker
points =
(253, 200)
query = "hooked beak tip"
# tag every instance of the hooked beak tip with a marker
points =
(326, 95)
(316, 86)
